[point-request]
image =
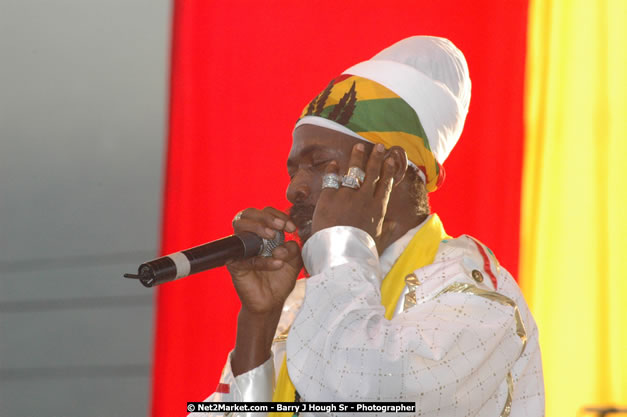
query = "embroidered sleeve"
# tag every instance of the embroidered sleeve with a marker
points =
(254, 385)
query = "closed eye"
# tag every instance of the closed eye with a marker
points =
(320, 164)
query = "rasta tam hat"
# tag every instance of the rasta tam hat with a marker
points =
(413, 94)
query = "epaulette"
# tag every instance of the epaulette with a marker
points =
(490, 264)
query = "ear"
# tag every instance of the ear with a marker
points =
(400, 162)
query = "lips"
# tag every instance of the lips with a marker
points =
(302, 218)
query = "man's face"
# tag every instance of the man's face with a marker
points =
(313, 148)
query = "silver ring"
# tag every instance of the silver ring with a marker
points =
(331, 180)
(357, 173)
(351, 182)
(237, 217)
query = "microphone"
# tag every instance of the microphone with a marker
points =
(181, 264)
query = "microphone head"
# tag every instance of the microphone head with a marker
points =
(270, 244)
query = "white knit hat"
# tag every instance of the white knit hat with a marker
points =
(431, 75)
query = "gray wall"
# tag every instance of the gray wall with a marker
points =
(82, 121)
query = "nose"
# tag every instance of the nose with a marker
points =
(299, 189)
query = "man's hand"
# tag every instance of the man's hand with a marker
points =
(262, 285)
(365, 207)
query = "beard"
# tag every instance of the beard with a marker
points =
(302, 216)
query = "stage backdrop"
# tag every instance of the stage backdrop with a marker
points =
(574, 228)
(241, 73)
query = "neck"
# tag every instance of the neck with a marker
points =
(394, 228)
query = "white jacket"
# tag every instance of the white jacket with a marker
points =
(456, 346)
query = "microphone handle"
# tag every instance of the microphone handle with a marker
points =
(200, 258)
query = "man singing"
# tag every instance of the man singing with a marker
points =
(394, 308)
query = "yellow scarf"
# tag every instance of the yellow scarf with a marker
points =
(420, 252)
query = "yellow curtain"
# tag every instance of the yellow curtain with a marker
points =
(574, 210)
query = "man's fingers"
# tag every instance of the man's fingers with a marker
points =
(384, 186)
(373, 167)
(281, 219)
(247, 213)
(279, 252)
(358, 156)
(331, 168)
(255, 226)
(289, 253)
(264, 222)
(258, 263)
(266, 264)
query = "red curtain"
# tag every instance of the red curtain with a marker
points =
(241, 73)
